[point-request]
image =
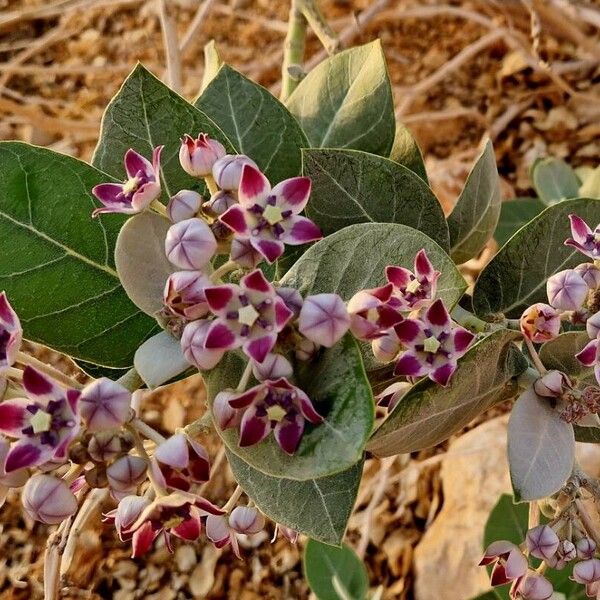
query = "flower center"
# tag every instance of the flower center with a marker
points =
(131, 185)
(413, 286)
(247, 315)
(431, 344)
(41, 421)
(276, 413)
(273, 214)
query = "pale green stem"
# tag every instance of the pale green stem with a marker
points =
(535, 357)
(55, 374)
(229, 266)
(146, 430)
(317, 22)
(131, 380)
(587, 521)
(469, 320)
(158, 207)
(245, 377)
(233, 500)
(293, 49)
(139, 446)
(211, 184)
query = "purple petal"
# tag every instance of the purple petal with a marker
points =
(142, 539)
(246, 398)
(254, 187)
(271, 250)
(289, 433)
(282, 314)
(13, 416)
(307, 409)
(253, 429)
(258, 349)
(145, 195)
(8, 317)
(442, 374)
(38, 384)
(256, 281)
(26, 453)
(174, 451)
(235, 218)
(408, 330)
(437, 314)
(579, 229)
(300, 230)
(190, 529)
(587, 356)
(135, 162)
(108, 194)
(462, 339)
(244, 254)
(409, 365)
(423, 267)
(398, 276)
(293, 194)
(220, 337)
(218, 297)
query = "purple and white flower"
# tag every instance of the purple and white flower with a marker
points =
(509, 562)
(269, 218)
(11, 334)
(324, 319)
(9, 480)
(197, 156)
(193, 342)
(190, 244)
(540, 323)
(184, 294)
(139, 190)
(371, 314)
(273, 405)
(434, 344)
(583, 238)
(532, 586)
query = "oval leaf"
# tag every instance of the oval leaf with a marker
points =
(346, 102)
(541, 448)
(516, 277)
(257, 123)
(351, 187)
(355, 257)
(56, 262)
(336, 383)
(514, 214)
(429, 413)
(144, 114)
(160, 359)
(591, 185)
(141, 261)
(475, 216)
(406, 152)
(334, 573)
(560, 353)
(318, 508)
(554, 180)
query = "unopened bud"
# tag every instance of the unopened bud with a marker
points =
(567, 290)
(273, 367)
(540, 323)
(48, 499)
(590, 274)
(184, 205)
(225, 415)
(534, 587)
(587, 571)
(219, 202)
(227, 171)
(246, 520)
(190, 244)
(126, 473)
(542, 542)
(551, 385)
(104, 446)
(104, 404)
(586, 548)
(192, 345)
(386, 347)
(197, 156)
(184, 294)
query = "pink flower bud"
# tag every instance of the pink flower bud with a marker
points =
(48, 499)
(246, 520)
(292, 298)
(592, 326)
(192, 344)
(126, 514)
(324, 319)
(590, 273)
(11, 334)
(273, 367)
(587, 571)
(552, 384)
(387, 347)
(217, 530)
(534, 587)
(225, 415)
(197, 156)
(244, 254)
(190, 244)
(306, 350)
(227, 171)
(184, 294)
(220, 202)
(104, 446)
(540, 323)
(184, 205)
(542, 542)
(586, 548)
(104, 404)
(567, 290)
(126, 473)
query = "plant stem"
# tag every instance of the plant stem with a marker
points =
(146, 430)
(469, 320)
(160, 208)
(131, 380)
(200, 425)
(245, 377)
(14, 373)
(528, 377)
(587, 521)
(317, 22)
(234, 498)
(229, 266)
(535, 357)
(139, 446)
(57, 375)
(534, 515)
(293, 49)
(211, 184)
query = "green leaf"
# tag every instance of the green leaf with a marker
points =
(475, 216)
(514, 214)
(541, 448)
(560, 353)
(318, 508)
(591, 185)
(56, 262)
(406, 152)
(554, 180)
(346, 102)
(429, 413)
(144, 114)
(160, 359)
(516, 277)
(97, 371)
(256, 122)
(355, 257)
(336, 383)
(349, 186)
(334, 573)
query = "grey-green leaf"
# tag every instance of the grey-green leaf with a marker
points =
(428, 413)
(256, 123)
(475, 216)
(337, 385)
(318, 508)
(514, 214)
(516, 277)
(160, 359)
(591, 184)
(541, 448)
(346, 102)
(335, 573)
(554, 180)
(141, 261)
(56, 262)
(349, 187)
(144, 114)
(406, 151)
(560, 353)
(355, 257)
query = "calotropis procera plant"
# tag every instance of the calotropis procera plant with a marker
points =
(293, 253)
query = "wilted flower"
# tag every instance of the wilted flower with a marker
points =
(542, 542)
(243, 520)
(273, 405)
(509, 562)
(197, 156)
(584, 239)
(250, 315)
(370, 314)
(140, 189)
(227, 171)
(184, 294)
(48, 499)
(11, 334)
(434, 344)
(184, 205)
(567, 290)
(45, 423)
(180, 461)
(104, 404)
(590, 274)
(532, 587)
(267, 217)
(324, 319)
(125, 474)
(540, 323)
(193, 346)
(190, 244)
(413, 290)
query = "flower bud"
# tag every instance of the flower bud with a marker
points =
(551, 385)
(190, 244)
(227, 171)
(586, 548)
(292, 298)
(126, 514)
(587, 571)
(273, 367)
(540, 323)
(192, 344)
(305, 349)
(184, 205)
(126, 473)
(48, 499)
(244, 254)
(104, 404)
(534, 587)
(184, 294)
(220, 202)
(386, 347)
(590, 274)
(104, 446)
(224, 414)
(217, 530)
(542, 542)
(11, 334)
(567, 290)
(592, 326)
(324, 319)
(96, 477)
(246, 520)
(197, 156)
